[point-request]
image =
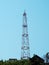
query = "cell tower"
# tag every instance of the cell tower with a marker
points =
(25, 54)
(47, 57)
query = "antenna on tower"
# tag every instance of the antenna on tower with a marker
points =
(25, 54)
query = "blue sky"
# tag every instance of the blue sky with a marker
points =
(11, 19)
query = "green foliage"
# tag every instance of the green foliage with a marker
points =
(17, 62)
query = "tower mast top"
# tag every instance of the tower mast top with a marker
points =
(24, 14)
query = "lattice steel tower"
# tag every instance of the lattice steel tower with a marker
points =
(25, 54)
